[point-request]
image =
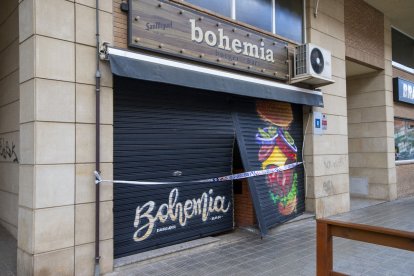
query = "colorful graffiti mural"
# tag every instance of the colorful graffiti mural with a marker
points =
(277, 148)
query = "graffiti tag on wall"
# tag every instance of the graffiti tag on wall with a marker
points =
(146, 219)
(8, 151)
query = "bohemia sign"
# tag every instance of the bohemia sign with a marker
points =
(171, 28)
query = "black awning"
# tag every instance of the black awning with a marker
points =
(145, 67)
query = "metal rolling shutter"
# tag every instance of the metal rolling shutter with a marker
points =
(168, 133)
(269, 134)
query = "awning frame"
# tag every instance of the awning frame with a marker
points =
(158, 69)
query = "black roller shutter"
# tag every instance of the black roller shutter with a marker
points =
(166, 133)
(269, 134)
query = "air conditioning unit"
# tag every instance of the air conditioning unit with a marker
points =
(312, 65)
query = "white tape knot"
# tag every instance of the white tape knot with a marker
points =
(98, 178)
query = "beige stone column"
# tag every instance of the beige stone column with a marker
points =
(57, 115)
(326, 155)
(371, 128)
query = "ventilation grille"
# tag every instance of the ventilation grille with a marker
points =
(301, 65)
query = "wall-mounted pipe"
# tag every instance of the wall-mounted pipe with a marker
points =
(315, 13)
(97, 140)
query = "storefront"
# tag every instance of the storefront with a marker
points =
(190, 89)
(404, 132)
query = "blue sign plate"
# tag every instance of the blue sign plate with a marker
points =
(403, 90)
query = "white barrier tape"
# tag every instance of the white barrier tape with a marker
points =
(209, 180)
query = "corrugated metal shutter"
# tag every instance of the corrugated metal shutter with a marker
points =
(270, 134)
(166, 133)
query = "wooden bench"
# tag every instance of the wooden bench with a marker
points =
(326, 229)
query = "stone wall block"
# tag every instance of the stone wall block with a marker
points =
(330, 164)
(365, 83)
(25, 230)
(85, 25)
(9, 175)
(381, 144)
(54, 18)
(103, 5)
(59, 262)
(337, 88)
(85, 258)
(9, 59)
(9, 118)
(55, 59)
(9, 87)
(55, 185)
(326, 23)
(371, 130)
(27, 59)
(333, 105)
(26, 22)
(24, 263)
(330, 144)
(85, 182)
(54, 228)
(374, 175)
(331, 205)
(85, 104)
(27, 143)
(55, 101)
(328, 185)
(27, 101)
(371, 160)
(9, 211)
(55, 143)
(26, 185)
(333, 8)
(86, 67)
(85, 222)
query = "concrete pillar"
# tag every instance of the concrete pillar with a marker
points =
(57, 191)
(326, 155)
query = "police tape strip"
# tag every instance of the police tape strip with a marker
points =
(209, 180)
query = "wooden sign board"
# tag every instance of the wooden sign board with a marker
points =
(171, 28)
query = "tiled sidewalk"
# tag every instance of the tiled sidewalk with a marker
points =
(287, 250)
(290, 250)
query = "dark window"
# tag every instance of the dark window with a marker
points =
(289, 19)
(404, 139)
(402, 49)
(286, 15)
(257, 13)
(222, 7)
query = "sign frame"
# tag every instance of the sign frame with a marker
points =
(256, 61)
(403, 90)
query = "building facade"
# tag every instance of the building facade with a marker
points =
(193, 90)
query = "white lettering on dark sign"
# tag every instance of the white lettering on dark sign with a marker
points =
(206, 205)
(408, 91)
(223, 42)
